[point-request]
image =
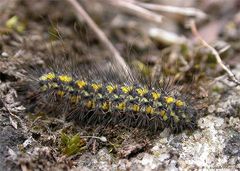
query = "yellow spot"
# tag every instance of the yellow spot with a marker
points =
(44, 88)
(156, 95)
(169, 100)
(126, 89)
(52, 85)
(183, 115)
(179, 103)
(129, 97)
(48, 76)
(99, 95)
(172, 113)
(105, 106)
(85, 93)
(60, 93)
(149, 110)
(90, 104)
(65, 78)
(164, 115)
(69, 88)
(141, 91)
(81, 83)
(111, 88)
(121, 106)
(157, 104)
(136, 108)
(143, 100)
(96, 86)
(176, 118)
(74, 99)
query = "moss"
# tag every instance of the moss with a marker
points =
(71, 145)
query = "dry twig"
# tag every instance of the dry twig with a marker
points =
(136, 10)
(214, 52)
(185, 11)
(82, 14)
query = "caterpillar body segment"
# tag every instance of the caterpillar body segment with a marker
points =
(94, 102)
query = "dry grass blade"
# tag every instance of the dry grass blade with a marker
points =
(136, 10)
(190, 12)
(214, 52)
(82, 14)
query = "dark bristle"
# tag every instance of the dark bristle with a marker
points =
(91, 102)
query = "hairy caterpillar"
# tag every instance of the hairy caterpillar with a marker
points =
(101, 102)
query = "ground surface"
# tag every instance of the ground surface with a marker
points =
(30, 141)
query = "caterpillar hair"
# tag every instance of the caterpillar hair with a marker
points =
(92, 96)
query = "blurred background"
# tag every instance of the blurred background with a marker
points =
(143, 32)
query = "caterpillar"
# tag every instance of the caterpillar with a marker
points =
(90, 101)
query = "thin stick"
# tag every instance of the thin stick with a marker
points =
(186, 11)
(82, 14)
(136, 10)
(214, 52)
